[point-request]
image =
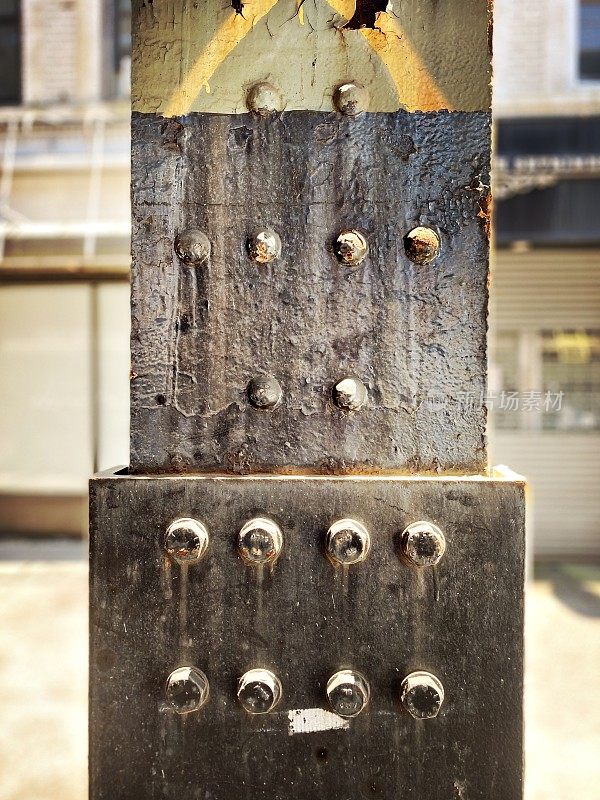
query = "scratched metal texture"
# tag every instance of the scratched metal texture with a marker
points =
(416, 335)
(304, 620)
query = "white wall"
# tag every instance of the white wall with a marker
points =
(51, 425)
(536, 60)
(562, 469)
(61, 50)
(45, 433)
(113, 374)
(54, 195)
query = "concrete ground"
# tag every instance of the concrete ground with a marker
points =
(43, 676)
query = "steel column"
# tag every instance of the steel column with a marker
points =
(307, 583)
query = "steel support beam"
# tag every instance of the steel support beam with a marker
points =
(307, 583)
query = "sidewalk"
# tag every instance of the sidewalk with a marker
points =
(562, 684)
(43, 678)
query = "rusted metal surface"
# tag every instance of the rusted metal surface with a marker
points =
(304, 619)
(407, 321)
(310, 201)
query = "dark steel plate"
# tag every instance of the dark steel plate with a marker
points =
(304, 620)
(414, 334)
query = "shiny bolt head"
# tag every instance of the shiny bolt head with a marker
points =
(186, 690)
(347, 542)
(259, 691)
(348, 692)
(350, 394)
(423, 544)
(264, 99)
(351, 248)
(351, 99)
(192, 246)
(264, 392)
(422, 245)
(260, 541)
(264, 246)
(422, 695)
(186, 540)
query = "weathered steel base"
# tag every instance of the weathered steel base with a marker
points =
(304, 619)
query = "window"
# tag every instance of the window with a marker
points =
(589, 40)
(122, 44)
(10, 51)
(571, 367)
(117, 48)
(503, 379)
(545, 380)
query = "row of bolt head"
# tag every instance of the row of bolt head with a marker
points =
(348, 542)
(264, 98)
(265, 393)
(421, 245)
(348, 691)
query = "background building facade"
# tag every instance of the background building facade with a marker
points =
(545, 314)
(64, 227)
(64, 248)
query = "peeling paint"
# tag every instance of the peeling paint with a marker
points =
(313, 720)
(411, 55)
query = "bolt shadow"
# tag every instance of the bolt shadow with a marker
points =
(569, 585)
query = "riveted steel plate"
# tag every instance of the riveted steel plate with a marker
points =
(413, 333)
(303, 620)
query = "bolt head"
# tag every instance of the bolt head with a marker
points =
(423, 544)
(348, 692)
(259, 691)
(264, 392)
(422, 695)
(351, 99)
(350, 394)
(348, 542)
(260, 541)
(192, 246)
(351, 248)
(264, 246)
(422, 245)
(186, 540)
(264, 99)
(186, 690)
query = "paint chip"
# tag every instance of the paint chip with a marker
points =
(313, 720)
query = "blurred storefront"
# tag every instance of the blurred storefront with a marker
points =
(64, 225)
(544, 394)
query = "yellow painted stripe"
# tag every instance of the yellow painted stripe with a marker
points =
(416, 88)
(227, 38)
(345, 8)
